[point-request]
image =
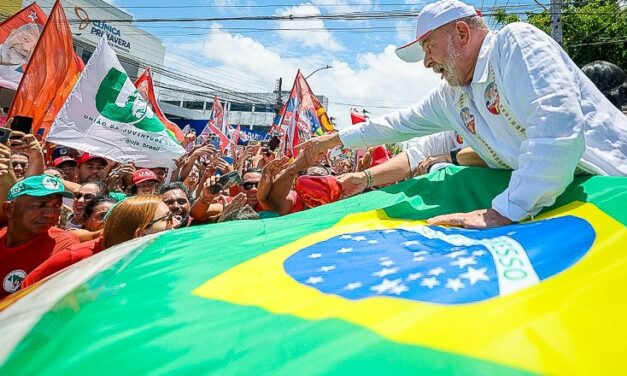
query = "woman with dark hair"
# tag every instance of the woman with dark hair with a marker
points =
(132, 218)
(609, 79)
(95, 211)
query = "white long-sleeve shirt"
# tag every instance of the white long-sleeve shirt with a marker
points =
(528, 108)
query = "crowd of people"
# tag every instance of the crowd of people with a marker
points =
(545, 122)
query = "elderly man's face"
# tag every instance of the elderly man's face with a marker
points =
(19, 45)
(443, 56)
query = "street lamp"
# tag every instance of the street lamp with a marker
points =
(317, 70)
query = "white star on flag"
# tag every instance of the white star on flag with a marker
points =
(327, 268)
(397, 290)
(314, 280)
(385, 285)
(414, 276)
(430, 282)
(411, 242)
(385, 271)
(344, 250)
(454, 284)
(359, 238)
(473, 275)
(479, 253)
(420, 253)
(463, 262)
(373, 241)
(346, 236)
(452, 255)
(315, 255)
(418, 258)
(353, 286)
(32, 16)
(437, 271)
(386, 263)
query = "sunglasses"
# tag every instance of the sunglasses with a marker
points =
(87, 196)
(249, 185)
(167, 217)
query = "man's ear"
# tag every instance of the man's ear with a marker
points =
(462, 32)
(139, 232)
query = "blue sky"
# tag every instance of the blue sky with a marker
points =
(247, 56)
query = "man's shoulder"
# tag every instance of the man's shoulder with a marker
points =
(518, 30)
(62, 239)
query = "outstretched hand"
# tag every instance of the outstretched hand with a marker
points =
(482, 218)
(318, 146)
(352, 183)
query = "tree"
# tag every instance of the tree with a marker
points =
(592, 30)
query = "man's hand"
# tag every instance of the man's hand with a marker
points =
(236, 204)
(6, 169)
(318, 146)
(482, 218)
(268, 174)
(426, 164)
(352, 183)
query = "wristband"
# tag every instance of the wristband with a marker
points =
(454, 156)
(369, 179)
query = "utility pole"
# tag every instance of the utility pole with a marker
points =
(278, 105)
(556, 20)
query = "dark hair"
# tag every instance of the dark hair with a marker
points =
(609, 79)
(102, 187)
(91, 205)
(175, 185)
(243, 213)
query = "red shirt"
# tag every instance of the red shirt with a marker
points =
(62, 260)
(17, 262)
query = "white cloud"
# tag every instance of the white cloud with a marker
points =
(320, 37)
(376, 80)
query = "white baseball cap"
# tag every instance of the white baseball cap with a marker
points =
(430, 18)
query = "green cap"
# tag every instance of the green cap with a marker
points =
(38, 186)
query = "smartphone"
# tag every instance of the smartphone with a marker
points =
(226, 181)
(274, 143)
(22, 124)
(4, 135)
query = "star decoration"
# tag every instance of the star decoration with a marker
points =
(474, 275)
(429, 282)
(314, 280)
(386, 285)
(345, 250)
(373, 241)
(455, 254)
(414, 276)
(418, 258)
(454, 284)
(479, 253)
(315, 255)
(437, 271)
(346, 236)
(387, 263)
(397, 290)
(359, 238)
(327, 268)
(411, 242)
(385, 271)
(463, 262)
(353, 286)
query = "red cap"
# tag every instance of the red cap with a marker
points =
(86, 157)
(379, 155)
(142, 175)
(63, 159)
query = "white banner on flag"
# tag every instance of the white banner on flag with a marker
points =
(106, 115)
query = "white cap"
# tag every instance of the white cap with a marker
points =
(430, 18)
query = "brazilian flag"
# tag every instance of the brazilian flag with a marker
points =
(361, 286)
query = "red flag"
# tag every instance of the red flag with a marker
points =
(18, 37)
(145, 86)
(216, 117)
(50, 75)
(224, 141)
(357, 118)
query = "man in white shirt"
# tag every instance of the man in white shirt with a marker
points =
(516, 98)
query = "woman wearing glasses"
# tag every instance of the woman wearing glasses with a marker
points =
(134, 217)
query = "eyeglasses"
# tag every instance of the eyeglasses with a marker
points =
(167, 217)
(87, 196)
(23, 165)
(249, 185)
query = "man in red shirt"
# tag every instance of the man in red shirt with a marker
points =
(33, 208)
